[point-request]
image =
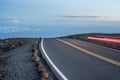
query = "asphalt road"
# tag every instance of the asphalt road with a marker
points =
(79, 60)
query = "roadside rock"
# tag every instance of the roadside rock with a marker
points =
(8, 44)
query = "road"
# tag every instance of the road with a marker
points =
(78, 60)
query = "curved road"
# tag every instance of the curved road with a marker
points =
(79, 60)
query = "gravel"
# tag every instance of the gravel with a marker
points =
(20, 65)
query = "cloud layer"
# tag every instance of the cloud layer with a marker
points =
(9, 20)
(71, 16)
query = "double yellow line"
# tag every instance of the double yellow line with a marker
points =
(91, 53)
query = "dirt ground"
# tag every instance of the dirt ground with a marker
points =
(15, 60)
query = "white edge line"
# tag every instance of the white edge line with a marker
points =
(52, 64)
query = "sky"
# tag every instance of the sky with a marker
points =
(60, 11)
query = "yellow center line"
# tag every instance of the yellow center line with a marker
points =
(91, 53)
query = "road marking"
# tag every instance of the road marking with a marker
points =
(91, 53)
(103, 47)
(53, 65)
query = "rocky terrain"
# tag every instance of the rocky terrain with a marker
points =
(15, 60)
(8, 44)
(20, 59)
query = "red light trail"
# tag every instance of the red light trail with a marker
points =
(105, 39)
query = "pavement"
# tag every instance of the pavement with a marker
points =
(79, 60)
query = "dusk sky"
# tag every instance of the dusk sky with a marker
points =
(59, 11)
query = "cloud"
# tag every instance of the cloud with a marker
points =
(79, 16)
(15, 21)
(9, 20)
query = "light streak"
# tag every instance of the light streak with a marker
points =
(105, 39)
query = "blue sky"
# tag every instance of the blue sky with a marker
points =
(60, 11)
